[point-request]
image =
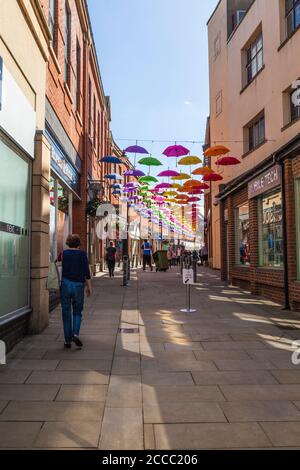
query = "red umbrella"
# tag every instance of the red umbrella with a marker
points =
(194, 199)
(213, 177)
(195, 191)
(226, 161)
(203, 186)
(176, 151)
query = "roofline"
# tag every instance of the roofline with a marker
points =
(213, 13)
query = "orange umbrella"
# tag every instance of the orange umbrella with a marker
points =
(203, 170)
(191, 184)
(216, 151)
(213, 177)
(181, 196)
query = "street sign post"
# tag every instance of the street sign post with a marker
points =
(188, 280)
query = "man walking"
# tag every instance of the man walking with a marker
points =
(111, 259)
(147, 251)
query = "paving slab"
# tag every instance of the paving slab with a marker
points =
(221, 355)
(189, 394)
(167, 378)
(283, 434)
(124, 392)
(245, 411)
(85, 364)
(122, 429)
(18, 435)
(261, 392)
(26, 392)
(3, 404)
(13, 376)
(82, 393)
(287, 376)
(179, 412)
(233, 345)
(52, 411)
(31, 364)
(236, 364)
(234, 378)
(69, 377)
(210, 436)
(80, 434)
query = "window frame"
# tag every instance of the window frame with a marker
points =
(254, 129)
(293, 108)
(236, 230)
(78, 75)
(67, 47)
(295, 4)
(250, 60)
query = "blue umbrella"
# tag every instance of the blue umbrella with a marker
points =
(110, 159)
(114, 176)
(117, 193)
(116, 186)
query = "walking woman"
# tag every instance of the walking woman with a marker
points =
(75, 278)
(111, 259)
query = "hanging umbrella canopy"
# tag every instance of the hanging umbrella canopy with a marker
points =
(194, 199)
(117, 193)
(116, 186)
(168, 173)
(213, 177)
(203, 170)
(113, 176)
(136, 149)
(162, 186)
(226, 161)
(181, 177)
(134, 172)
(190, 160)
(176, 186)
(170, 193)
(176, 151)
(110, 159)
(191, 184)
(181, 197)
(148, 179)
(150, 161)
(216, 151)
(195, 191)
(202, 186)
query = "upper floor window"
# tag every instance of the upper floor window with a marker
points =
(52, 21)
(95, 123)
(294, 105)
(67, 43)
(255, 58)
(292, 14)
(90, 107)
(78, 75)
(254, 133)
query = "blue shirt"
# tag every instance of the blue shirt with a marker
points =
(147, 248)
(75, 266)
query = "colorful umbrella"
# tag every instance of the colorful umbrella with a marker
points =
(168, 173)
(203, 170)
(216, 151)
(148, 179)
(162, 186)
(203, 186)
(195, 191)
(136, 149)
(113, 176)
(116, 186)
(134, 172)
(110, 159)
(191, 184)
(170, 193)
(181, 197)
(150, 161)
(176, 186)
(213, 177)
(194, 199)
(226, 161)
(190, 160)
(181, 177)
(176, 151)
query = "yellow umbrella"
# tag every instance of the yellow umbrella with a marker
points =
(176, 186)
(190, 160)
(181, 177)
(170, 193)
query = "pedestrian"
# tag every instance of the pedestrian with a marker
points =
(111, 259)
(178, 253)
(204, 255)
(76, 278)
(170, 256)
(147, 251)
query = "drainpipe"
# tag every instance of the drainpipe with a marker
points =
(285, 250)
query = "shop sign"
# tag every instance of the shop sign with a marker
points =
(9, 228)
(268, 180)
(64, 169)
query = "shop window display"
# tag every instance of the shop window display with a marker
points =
(271, 230)
(242, 235)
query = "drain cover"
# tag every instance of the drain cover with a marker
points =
(129, 330)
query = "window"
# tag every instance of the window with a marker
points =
(254, 58)
(242, 235)
(99, 133)
(217, 46)
(52, 22)
(90, 107)
(95, 123)
(78, 76)
(297, 189)
(219, 103)
(67, 44)
(295, 109)
(270, 229)
(256, 133)
(292, 15)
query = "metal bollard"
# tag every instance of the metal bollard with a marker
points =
(128, 270)
(125, 270)
(195, 270)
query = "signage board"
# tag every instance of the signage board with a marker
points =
(188, 276)
(13, 229)
(266, 181)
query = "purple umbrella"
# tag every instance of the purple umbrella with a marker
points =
(162, 186)
(134, 172)
(136, 149)
(176, 151)
(168, 173)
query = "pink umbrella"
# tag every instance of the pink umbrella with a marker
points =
(194, 199)
(213, 177)
(162, 186)
(226, 161)
(195, 191)
(168, 173)
(176, 151)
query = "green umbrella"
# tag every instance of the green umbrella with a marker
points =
(148, 179)
(150, 161)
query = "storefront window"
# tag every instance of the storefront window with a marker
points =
(59, 219)
(14, 231)
(270, 228)
(242, 235)
(297, 186)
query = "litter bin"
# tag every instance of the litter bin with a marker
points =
(161, 260)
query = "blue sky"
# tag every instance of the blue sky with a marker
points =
(153, 61)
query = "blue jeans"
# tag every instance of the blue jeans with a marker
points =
(72, 300)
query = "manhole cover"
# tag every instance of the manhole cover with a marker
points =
(129, 330)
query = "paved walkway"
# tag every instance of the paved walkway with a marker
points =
(218, 378)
